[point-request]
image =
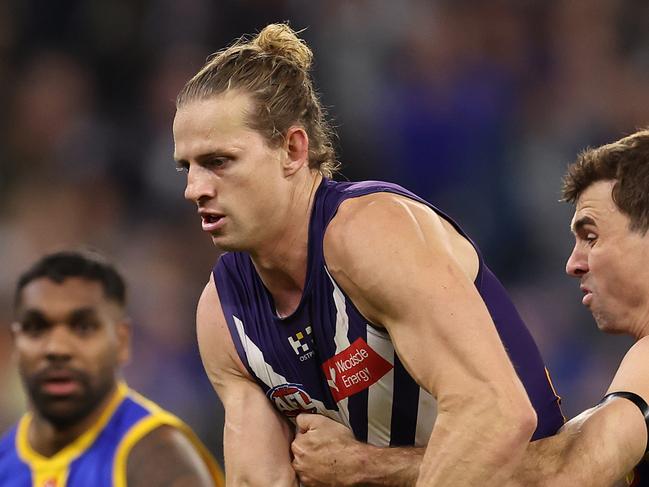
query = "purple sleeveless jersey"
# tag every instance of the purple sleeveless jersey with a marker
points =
(327, 358)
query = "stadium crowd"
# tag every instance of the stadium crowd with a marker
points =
(477, 105)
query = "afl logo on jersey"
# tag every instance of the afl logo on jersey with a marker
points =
(291, 400)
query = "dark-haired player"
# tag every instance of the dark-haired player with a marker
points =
(609, 186)
(85, 427)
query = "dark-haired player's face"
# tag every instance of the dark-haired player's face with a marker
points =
(611, 261)
(70, 341)
(233, 175)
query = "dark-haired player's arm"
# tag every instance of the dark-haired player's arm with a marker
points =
(601, 445)
(166, 458)
(256, 438)
(405, 269)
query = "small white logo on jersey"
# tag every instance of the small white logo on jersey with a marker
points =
(302, 344)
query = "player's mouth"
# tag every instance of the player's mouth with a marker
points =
(60, 383)
(210, 221)
(588, 296)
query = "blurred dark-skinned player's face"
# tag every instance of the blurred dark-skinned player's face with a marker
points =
(70, 341)
(611, 261)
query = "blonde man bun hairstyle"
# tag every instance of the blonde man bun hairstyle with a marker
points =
(274, 68)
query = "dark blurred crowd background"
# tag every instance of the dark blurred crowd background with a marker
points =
(477, 105)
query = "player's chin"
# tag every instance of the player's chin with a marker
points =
(606, 324)
(222, 244)
(611, 330)
(226, 243)
(62, 412)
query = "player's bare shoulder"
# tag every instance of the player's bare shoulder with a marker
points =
(639, 352)
(394, 224)
(380, 209)
(633, 373)
(166, 457)
(215, 343)
(375, 218)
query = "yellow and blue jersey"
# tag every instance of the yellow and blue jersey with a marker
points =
(98, 457)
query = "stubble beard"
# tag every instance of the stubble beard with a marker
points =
(64, 412)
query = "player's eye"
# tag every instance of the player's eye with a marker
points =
(33, 326)
(182, 166)
(216, 162)
(84, 326)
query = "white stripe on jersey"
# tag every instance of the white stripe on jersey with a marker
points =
(265, 372)
(380, 394)
(341, 339)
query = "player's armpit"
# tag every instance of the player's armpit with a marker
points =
(166, 458)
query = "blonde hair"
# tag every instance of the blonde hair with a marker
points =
(274, 68)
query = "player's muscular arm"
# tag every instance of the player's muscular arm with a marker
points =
(256, 439)
(602, 444)
(326, 453)
(591, 449)
(394, 259)
(166, 458)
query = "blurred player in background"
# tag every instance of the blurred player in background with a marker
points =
(85, 427)
(357, 301)
(609, 186)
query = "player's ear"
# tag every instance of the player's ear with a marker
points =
(14, 329)
(297, 150)
(123, 332)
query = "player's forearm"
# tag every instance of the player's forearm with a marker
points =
(477, 445)
(256, 461)
(253, 466)
(607, 445)
(251, 477)
(597, 448)
(387, 467)
(257, 469)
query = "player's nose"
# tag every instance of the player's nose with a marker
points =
(58, 343)
(199, 184)
(577, 263)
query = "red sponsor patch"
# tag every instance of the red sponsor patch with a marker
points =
(354, 369)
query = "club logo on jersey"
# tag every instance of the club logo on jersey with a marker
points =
(302, 345)
(354, 369)
(291, 399)
(50, 483)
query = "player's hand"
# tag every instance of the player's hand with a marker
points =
(325, 453)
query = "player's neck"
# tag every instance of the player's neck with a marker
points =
(282, 264)
(47, 439)
(643, 328)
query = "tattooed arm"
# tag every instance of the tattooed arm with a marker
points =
(166, 458)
